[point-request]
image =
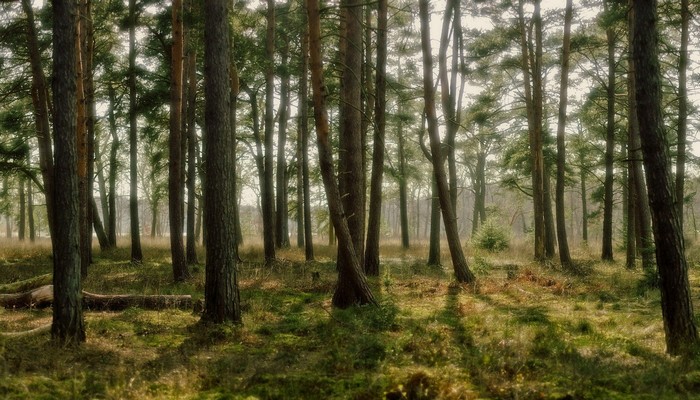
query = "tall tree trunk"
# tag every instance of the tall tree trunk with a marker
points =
(403, 185)
(459, 262)
(111, 215)
(532, 78)
(282, 209)
(68, 327)
(676, 304)
(434, 251)
(682, 110)
(373, 225)
(642, 211)
(191, 246)
(607, 250)
(564, 254)
(267, 184)
(82, 140)
(629, 201)
(448, 88)
(584, 198)
(30, 211)
(304, 137)
(352, 287)
(222, 299)
(176, 197)
(22, 222)
(40, 101)
(350, 164)
(136, 253)
(549, 231)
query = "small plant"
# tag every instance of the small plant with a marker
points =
(491, 237)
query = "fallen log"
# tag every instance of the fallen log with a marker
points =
(35, 331)
(27, 284)
(42, 297)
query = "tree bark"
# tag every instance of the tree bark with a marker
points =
(191, 246)
(136, 253)
(304, 137)
(642, 212)
(41, 114)
(351, 175)
(43, 296)
(222, 298)
(607, 243)
(111, 216)
(564, 254)
(459, 262)
(98, 227)
(676, 304)
(533, 95)
(682, 111)
(352, 287)
(282, 208)
(68, 327)
(267, 184)
(375, 200)
(82, 143)
(176, 198)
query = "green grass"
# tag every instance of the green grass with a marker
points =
(524, 331)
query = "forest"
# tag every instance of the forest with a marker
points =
(396, 199)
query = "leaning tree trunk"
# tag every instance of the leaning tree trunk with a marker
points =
(459, 262)
(68, 324)
(40, 101)
(682, 110)
(676, 303)
(352, 285)
(642, 212)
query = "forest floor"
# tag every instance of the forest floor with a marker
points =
(524, 331)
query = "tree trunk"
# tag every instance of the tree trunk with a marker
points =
(136, 253)
(68, 326)
(97, 225)
(352, 285)
(676, 303)
(403, 185)
(375, 213)
(435, 224)
(682, 111)
(222, 298)
(43, 296)
(266, 182)
(30, 211)
(22, 222)
(41, 114)
(642, 212)
(304, 137)
(191, 246)
(282, 209)
(176, 198)
(532, 78)
(82, 142)
(607, 250)
(564, 254)
(111, 215)
(459, 262)
(351, 165)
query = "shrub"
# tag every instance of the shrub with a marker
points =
(491, 237)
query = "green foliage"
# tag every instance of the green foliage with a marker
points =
(492, 236)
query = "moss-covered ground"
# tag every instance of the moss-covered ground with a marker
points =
(523, 331)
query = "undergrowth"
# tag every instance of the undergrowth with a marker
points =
(524, 331)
